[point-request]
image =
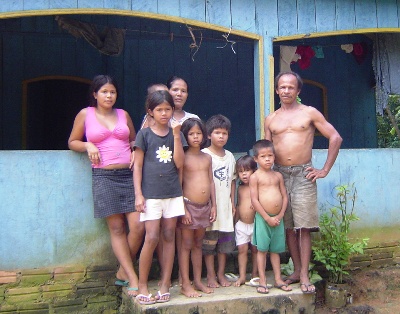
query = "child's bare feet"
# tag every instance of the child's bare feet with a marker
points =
(239, 282)
(212, 282)
(202, 287)
(188, 290)
(223, 281)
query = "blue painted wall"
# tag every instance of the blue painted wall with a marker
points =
(46, 196)
(47, 214)
(46, 210)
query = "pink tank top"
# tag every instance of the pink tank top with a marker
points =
(113, 145)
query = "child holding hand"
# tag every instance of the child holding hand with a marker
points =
(269, 198)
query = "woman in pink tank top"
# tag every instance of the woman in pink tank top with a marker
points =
(110, 138)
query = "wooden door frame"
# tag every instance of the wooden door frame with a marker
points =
(258, 44)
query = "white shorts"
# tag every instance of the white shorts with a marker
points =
(165, 208)
(243, 232)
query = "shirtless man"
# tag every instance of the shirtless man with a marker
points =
(291, 128)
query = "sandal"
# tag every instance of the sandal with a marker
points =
(308, 286)
(145, 299)
(266, 291)
(254, 282)
(231, 277)
(161, 296)
(121, 283)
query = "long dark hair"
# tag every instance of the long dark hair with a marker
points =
(158, 97)
(190, 123)
(174, 78)
(97, 82)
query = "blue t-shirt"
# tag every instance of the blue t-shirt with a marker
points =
(160, 178)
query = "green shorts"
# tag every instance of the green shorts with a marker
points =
(267, 238)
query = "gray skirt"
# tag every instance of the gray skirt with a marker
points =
(113, 192)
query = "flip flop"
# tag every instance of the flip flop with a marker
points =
(254, 282)
(161, 295)
(147, 299)
(307, 286)
(266, 291)
(121, 283)
(231, 277)
(132, 289)
(281, 287)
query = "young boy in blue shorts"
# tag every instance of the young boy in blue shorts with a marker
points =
(220, 237)
(269, 198)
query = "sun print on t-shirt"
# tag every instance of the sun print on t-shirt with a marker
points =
(164, 154)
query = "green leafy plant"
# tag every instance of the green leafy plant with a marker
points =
(334, 246)
(288, 269)
(387, 124)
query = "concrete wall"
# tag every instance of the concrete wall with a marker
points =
(47, 217)
(46, 212)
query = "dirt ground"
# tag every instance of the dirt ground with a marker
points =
(373, 291)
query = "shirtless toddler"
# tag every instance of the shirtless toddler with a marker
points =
(269, 198)
(245, 167)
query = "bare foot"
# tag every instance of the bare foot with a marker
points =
(189, 291)
(239, 282)
(223, 281)
(202, 287)
(212, 282)
(121, 275)
(133, 291)
(291, 279)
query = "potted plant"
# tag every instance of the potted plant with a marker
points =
(334, 247)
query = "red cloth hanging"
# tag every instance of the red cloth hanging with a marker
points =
(360, 51)
(306, 53)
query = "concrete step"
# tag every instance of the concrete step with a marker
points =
(235, 300)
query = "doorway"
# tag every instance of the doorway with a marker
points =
(50, 106)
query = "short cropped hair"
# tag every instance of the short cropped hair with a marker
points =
(246, 162)
(155, 87)
(190, 123)
(260, 144)
(218, 121)
(298, 78)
